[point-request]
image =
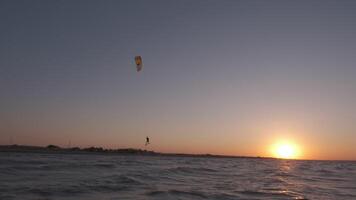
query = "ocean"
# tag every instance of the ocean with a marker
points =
(40, 176)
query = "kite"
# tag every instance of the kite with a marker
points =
(139, 64)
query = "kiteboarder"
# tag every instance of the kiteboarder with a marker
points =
(147, 141)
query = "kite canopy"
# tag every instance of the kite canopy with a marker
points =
(138, 61)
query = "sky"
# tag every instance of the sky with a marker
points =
(220, 77)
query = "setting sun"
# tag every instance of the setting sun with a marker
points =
(285, 150)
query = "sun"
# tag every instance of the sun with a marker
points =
(285, 150)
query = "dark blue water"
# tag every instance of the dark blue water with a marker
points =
(88, 176)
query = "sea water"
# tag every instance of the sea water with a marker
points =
(94, 176)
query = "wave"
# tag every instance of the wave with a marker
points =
(271, 193)
(178, 193)
(186, 169)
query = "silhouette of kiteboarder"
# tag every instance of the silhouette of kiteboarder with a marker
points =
(147, 141)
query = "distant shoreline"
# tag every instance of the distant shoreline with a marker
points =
(124, 151)
(100, 150)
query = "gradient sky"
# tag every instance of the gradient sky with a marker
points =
(222, 77)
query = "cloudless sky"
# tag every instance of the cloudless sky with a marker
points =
(222, 77)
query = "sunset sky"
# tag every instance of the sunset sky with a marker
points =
(219, 77)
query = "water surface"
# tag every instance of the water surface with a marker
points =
(91, 176)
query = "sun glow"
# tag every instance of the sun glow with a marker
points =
(285, 150)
